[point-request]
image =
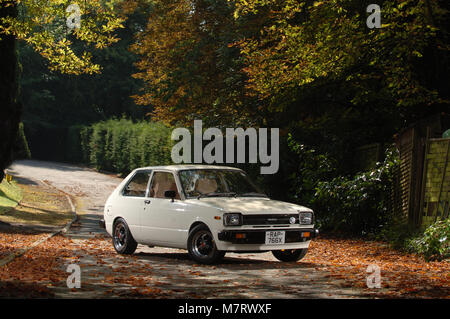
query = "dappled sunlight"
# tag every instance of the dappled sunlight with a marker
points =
(248, 204)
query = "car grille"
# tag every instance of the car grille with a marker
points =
(258, 236)
(272, 219)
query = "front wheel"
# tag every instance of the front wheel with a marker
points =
(288, 255)
(123, 241)
(201, 246)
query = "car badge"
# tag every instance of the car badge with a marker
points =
(292, 220)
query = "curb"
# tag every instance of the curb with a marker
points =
(63, 230)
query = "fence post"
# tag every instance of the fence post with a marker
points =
(442, 180)
(424, 176)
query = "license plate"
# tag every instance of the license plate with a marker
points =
(275, 237)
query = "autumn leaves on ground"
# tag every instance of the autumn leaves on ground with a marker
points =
(41, 272)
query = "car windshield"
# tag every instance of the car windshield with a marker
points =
(217, 182)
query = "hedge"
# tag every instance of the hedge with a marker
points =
(121, 145)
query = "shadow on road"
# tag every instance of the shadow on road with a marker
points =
(229, 262)
(49, 165)
(25, 181)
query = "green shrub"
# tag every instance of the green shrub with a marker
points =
(85, 138)
(434, 243)
(357, 204)
(121, 145)
(97, 146)
(312, 168)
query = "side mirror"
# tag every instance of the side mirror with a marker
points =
(170, 194)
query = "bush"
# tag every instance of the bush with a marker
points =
(312, 168)
(121, 145)
(85, 140)
(357, 204)
(97, 146)
(434, 243)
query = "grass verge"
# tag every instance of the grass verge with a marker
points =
(10, 195)
(39, 205)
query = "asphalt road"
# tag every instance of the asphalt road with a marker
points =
(238, 276)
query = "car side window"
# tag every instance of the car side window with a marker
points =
(162, 182)
(137, 186)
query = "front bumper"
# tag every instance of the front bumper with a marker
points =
(258, 236)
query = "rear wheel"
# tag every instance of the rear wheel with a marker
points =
(201, 246)
(288, 255)
(123, 241)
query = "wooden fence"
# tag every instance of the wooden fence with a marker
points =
(422, 190)
(435, 197)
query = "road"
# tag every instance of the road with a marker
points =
(162, 271)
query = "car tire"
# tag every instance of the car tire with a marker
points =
(289, 255)
(201, 246)
(123, 241)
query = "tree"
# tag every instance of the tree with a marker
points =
(336, 84)
(42, 24)
(189, 68)
(9, 109)
(66, 99)
(306, 44)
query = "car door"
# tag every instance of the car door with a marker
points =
(132, 202)
(164, 219)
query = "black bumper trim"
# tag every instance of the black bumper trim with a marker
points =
(102, 224)
(258, 236)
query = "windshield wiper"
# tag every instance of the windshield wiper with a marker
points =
(253, 194)
(215, 194)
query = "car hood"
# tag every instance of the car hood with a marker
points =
(249, 205)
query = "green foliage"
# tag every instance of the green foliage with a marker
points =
(10, 195)
(121, 145)
(189, 67)
(434, 243)
(21, 149)
(98, 150)
(85, 138)
(42, 25)
(303, 42)
(67, 100)
(357, 204)
(311, 169)
(397, 232)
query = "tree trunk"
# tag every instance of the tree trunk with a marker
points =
(10, 108)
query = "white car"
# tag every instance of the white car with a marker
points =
(208, 210)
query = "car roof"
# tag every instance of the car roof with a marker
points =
(187, 166)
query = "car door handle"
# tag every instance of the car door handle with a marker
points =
(147, 201)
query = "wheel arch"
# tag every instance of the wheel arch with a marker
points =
(114, 222)
(196, 223)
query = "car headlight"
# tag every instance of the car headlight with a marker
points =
(305, 218)
(232, 219)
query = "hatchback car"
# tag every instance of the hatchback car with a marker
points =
(208, 210)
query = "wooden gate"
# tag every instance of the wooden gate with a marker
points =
(436, 184)
(422, 191)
